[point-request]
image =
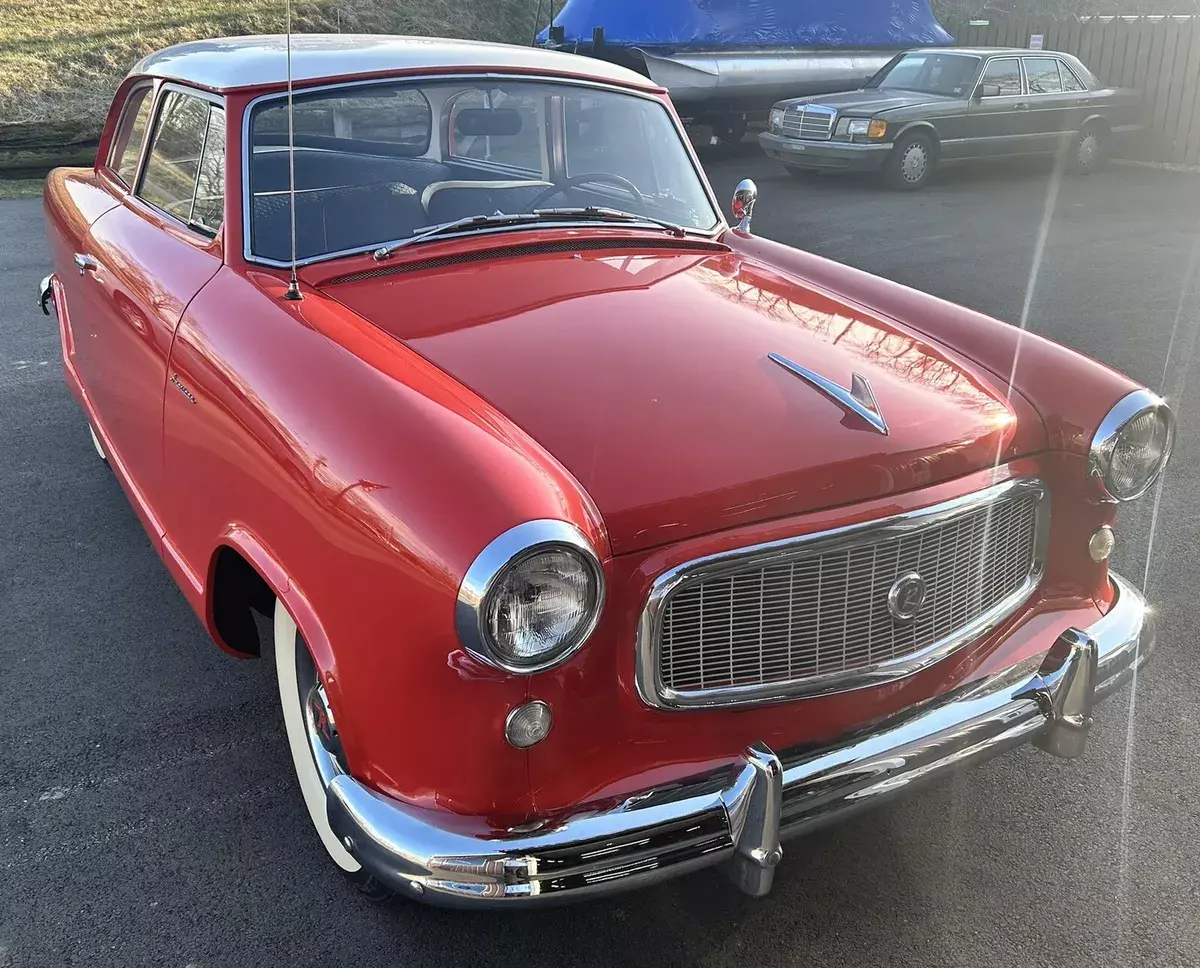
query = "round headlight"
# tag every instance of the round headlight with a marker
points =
(1132, 445)
(531, 598)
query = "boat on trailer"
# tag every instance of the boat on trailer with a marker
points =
(726, 62)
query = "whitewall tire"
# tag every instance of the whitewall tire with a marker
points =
(296, 675)
(96, 443)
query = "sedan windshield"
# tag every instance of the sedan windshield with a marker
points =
(379, 164)
(927, 72)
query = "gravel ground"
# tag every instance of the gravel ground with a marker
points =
(148, 812)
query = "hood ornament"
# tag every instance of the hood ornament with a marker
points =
(859, 399)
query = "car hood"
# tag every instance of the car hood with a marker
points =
(646, 373)
(868, 102)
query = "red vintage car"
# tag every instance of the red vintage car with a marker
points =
(603, 541)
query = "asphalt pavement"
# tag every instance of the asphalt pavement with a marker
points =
(148, 810)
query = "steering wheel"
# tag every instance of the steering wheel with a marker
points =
(574, 180)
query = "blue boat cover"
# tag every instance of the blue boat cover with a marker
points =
(728, 24)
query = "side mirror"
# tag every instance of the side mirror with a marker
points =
(987, 90)
(744, 197)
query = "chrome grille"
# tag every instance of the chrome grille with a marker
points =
(811, 122)
(812, 615)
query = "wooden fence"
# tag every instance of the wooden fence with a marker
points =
(1159, 56)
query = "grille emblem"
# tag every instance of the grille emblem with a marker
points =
(858, 398)
(906, 596)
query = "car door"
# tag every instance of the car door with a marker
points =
(72, 241)
(1048, 124)
(145, 261)
(996, 124)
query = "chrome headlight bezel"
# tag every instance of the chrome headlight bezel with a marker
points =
(775, 121)
(514, 547)
(1108, 435)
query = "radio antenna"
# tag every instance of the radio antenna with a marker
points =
(537, 19)
(293, 290)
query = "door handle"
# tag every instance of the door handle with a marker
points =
(85, 263)
(1023, 106)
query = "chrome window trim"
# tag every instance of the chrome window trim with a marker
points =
(649, 681)
(720, 227)
(512, 546)
(1104, 440)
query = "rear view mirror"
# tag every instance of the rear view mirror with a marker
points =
(987, 90)
(482, 122)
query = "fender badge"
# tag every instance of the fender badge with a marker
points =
(859, 399)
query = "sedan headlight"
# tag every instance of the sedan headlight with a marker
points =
(1132, 445)
(776, 119)
(860, 128)
(531, 598)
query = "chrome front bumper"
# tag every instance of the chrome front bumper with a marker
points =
(737, 818)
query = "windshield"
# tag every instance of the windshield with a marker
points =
(380, 163)
(951, 75)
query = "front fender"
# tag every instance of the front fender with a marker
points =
(362, 482)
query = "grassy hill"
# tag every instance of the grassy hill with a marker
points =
(61, 59)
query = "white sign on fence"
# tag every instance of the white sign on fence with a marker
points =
(1037, 41)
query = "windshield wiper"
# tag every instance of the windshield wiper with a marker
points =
(596, 213)
(589, 214)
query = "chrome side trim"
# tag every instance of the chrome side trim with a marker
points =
(859, 398)
(715, 232)
(512, 546)
(1105, 439)
(655, 693)
(737, 817)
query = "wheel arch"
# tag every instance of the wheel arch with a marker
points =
(244, 577)
(1096, 120)
(925, 128)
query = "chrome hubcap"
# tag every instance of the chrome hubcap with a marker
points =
(1087, 149)
(914, 163)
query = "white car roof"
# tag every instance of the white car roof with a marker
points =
(225, 63)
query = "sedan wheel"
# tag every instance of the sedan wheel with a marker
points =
(297, 677)
(910, 164)
(1088, 151)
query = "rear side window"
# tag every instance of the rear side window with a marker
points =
(131, 132)
(1069, 81)
(185, 170)
(1006, 72)
(1042, 73)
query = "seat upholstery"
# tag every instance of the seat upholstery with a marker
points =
(335, 219)
(449, 200)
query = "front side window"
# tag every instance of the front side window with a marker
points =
(950, 75)
(131, 132)
(1042, 74)
(185, 170)
(436, 152)
(1005, 73)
